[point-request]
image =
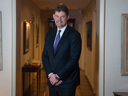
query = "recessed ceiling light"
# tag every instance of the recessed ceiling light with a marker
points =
(61, 3)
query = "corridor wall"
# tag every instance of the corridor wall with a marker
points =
(89, 14)
(26, 11)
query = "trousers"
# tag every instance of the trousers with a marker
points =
(58, 91)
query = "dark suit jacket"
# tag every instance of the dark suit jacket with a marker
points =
(64, 62)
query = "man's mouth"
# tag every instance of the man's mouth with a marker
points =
(59, 22)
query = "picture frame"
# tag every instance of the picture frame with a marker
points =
(71, 23)
(124, 44)
(89, 35)
(1, 63)
(52, 24)
(26, 29)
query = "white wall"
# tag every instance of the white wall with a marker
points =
(114, 82)
(6, 73)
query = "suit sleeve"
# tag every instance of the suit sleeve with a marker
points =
(45, 57)
(75, 50)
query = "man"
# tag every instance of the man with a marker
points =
(61, 55)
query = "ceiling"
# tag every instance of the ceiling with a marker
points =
(71, 4)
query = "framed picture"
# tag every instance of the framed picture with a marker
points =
(124, 44)
(52, 24)
(71, 23)
(1, 65)
(89, 35)
(26, 29)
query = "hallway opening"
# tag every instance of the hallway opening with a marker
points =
(38, 27)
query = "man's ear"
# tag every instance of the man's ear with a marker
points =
(53, 16)
(68, 17)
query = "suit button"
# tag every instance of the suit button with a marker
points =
(52, 67)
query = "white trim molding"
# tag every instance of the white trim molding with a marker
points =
(101, 33)
(13, 89)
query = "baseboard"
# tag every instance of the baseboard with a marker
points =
(92, 88)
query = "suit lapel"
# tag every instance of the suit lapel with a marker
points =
(52, 42)
(63, 38)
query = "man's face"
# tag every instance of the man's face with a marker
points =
(60, 19)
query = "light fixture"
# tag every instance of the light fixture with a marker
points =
(27, 23)
(60, 3)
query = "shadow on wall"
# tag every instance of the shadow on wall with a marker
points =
(97, 65)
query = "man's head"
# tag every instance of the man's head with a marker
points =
(61, 16)
(61, 7)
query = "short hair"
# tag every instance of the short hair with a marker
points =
(61, 7)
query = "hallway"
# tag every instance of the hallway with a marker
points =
(82, 90)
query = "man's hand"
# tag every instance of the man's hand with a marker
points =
(52, 79)
(58, 83)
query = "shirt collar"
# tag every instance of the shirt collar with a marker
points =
(63, 29)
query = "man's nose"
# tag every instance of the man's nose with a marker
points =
(59, 18)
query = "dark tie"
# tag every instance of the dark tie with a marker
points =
(57, 41)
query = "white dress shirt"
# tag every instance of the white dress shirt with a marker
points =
(61, 33)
